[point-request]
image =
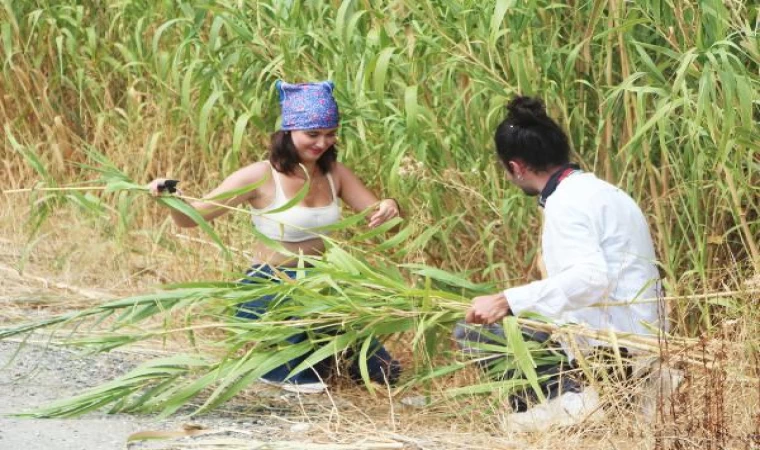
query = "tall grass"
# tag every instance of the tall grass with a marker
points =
(661, 98)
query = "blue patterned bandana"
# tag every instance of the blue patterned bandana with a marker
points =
(307, 106)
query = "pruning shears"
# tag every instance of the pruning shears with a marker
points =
(169, 186)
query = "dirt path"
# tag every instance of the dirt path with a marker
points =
(37, 375)
(33, 375)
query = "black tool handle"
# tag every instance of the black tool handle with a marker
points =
(169, 186)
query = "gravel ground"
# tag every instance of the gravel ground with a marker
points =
(33, 375)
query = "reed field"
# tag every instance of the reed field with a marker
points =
(659, 97)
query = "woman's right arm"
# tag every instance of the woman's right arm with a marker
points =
(211, 209)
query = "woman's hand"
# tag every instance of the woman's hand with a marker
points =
(386, 210)
(163, 185)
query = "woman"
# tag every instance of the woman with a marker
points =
(302, 151)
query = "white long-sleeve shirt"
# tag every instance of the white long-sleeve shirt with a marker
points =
(597, 249)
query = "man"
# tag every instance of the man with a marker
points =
(598, 255)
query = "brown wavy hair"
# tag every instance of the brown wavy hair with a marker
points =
(284, 157)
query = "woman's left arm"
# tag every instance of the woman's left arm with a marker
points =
(356, 195)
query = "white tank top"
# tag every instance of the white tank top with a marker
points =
(294, 223)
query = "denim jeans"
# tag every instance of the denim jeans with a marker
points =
(556, 381)
(381, 366)
(558, 378)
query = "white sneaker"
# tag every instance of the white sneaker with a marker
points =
(298, 388)
(570, 408)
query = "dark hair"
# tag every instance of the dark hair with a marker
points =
(284, 156)
(528, 134)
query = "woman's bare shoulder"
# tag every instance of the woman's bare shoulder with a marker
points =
(253, 172)
(339, 170)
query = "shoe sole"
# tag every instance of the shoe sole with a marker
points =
(308, 388)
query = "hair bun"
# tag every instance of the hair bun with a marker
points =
(526, 108)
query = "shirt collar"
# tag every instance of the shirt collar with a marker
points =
(555, 179)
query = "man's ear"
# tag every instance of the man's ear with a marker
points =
(515, 167)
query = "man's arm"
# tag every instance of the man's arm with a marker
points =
(582, 279)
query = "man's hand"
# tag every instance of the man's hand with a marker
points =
(487, 309)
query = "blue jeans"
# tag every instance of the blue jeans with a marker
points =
(557, 378)
(381, 366)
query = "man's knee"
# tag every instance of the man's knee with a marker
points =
(460, 332)
(468, 337)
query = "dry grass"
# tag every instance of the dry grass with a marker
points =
(715, 408)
